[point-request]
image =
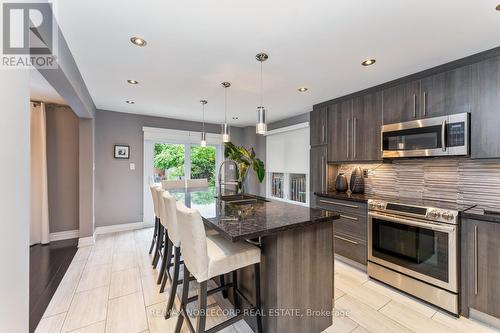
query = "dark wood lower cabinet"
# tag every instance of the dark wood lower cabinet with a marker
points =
(480, 267)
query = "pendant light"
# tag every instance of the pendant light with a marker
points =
(225, 126)
(203, 141)
(261, 126)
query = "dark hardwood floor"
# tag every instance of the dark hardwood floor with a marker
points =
(48, 264)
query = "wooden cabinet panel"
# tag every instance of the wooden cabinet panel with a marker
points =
(485, 109)
(350, 248)
(401, 103)
(318, 126)
(367, 120)
(340, 132)
(445, 93)
(481, 265)
(318, 177)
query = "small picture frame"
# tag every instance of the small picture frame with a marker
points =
(122, 152)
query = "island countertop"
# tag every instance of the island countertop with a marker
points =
(236, 221)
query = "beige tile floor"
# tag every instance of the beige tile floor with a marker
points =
(111, 287)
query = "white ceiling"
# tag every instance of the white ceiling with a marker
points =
(195, 45)
(41, 90)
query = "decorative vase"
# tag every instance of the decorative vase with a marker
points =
(341, 183)
(357, 182)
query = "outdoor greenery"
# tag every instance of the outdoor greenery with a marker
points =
(170, 157)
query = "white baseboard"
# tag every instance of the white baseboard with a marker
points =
(120, 227)
(62, 235)
(86, 241)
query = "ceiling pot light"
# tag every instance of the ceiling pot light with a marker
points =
(138, 41)
(203, 142)
(225, 127)
(368, 62)
(498, 7)
(130, 102)
(302, 89)
(133, 81)
(261, 126)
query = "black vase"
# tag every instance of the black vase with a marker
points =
(341, 183)
(357, 182)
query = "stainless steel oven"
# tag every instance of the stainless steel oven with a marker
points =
(414, 249)
(439, 136)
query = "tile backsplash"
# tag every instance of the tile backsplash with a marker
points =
(459, 180)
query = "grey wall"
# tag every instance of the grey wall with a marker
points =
(14, 200)
(118, 190)
(301, 118)
(86, 189)
(62, 167)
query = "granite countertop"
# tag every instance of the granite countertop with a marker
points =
(344, 196)
(479, 214)
(264, 217)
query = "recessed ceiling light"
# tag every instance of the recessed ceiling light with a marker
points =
(498, 7)
(368, 62)
(235, 118)
(138, 41)
(302, 89)
(133, 81)
(130, 102)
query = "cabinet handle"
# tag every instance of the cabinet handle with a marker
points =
(338, 204)
(414, 105)
(349, 217)
(323, 134)
(425, 104)
(322, 173)
(348, 141)
(354, 133)
(476, 277)
(346, 240)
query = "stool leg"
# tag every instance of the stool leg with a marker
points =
(202, 308)
(184, 298)
(223, 283)
(175, 282)
(167, 256)
(236, 298)
(154, 236)
(158, 244)
(258, 303)
(166, 275)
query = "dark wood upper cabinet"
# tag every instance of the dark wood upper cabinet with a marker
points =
(480, 267)
(445, 93)
(340, 132)
(367, 122)
(318, 126)
(401, 103)
(318, 178)
(485, 109)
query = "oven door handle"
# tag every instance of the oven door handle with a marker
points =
(414, 223)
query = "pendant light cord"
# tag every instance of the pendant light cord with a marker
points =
(225, 105)
(261, 87)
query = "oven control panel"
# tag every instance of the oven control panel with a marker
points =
(422, 212)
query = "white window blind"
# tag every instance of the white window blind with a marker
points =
(287, 149)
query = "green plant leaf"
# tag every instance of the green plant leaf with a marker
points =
(245, 158)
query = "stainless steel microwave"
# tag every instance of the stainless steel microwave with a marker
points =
(439, 136)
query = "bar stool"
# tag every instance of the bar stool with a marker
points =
(156, 234)
(207, 256)
(166, 255)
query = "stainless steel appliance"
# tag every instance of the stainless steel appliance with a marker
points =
(439, 136)
(414, 248)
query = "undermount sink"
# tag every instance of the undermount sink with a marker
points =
(241, 199)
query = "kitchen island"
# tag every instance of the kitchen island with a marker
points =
(297, 255)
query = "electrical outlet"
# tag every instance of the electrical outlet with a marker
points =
(365, 173)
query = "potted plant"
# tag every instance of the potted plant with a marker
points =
(245, 159)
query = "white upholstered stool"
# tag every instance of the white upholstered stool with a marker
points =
(208, 256)
(166, 255)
